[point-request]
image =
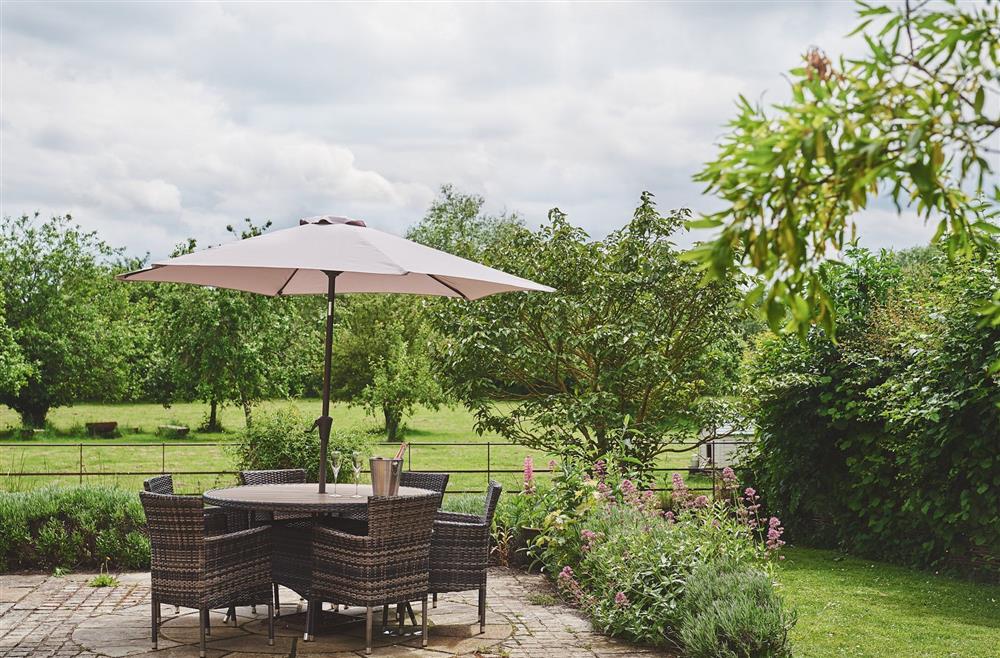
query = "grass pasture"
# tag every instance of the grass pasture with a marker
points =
(440, 440)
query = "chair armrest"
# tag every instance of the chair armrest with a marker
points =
(458, 517)
(332, 537)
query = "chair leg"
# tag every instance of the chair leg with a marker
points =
(310, 611)
(434, 600)
(270, 625)
(277, 602)
(253, 609)
(368, 630)
(409, 611)
(202, 630)
(154, 614)
(482, 608)
(208, 622)
(385, 615)
(423, 622)
(177, 610)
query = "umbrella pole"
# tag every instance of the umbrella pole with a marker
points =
(324, 422)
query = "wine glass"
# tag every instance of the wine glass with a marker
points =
(357, 461)
(336, 460)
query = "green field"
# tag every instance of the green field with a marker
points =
(139, 449)
(853, 607)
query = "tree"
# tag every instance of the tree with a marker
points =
(627, 348)
(70, 319)
(456, 223)
(376, 336)
(224, 346)
(13, 369)
(401, 380)
(916, 118)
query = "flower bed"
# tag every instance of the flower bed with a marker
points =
(697, 577)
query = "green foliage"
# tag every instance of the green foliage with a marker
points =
(456, 223)
(78, 527)
(885, 444)
(401, 380)
(733, 612)
(71, 321)
(283, 438)
(627, 346)
(225, 346)
(909, 118)
(14, 370)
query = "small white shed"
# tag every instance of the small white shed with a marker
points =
(722, 448)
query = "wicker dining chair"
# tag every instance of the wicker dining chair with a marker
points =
(218, 520)
(389, 564)
(460, 551)
(191, 569)
(288, 542)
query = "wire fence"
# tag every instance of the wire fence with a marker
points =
(711, 459)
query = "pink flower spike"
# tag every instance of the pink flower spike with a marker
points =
(621, 600)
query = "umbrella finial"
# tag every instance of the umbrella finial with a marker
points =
(326, 220)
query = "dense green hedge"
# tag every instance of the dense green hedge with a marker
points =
(888, 443)
(72, 527)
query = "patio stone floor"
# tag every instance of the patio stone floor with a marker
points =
(49, 617)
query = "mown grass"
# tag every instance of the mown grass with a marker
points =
(446, 428)
(853, 607)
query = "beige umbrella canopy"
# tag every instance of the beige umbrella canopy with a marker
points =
(326, 255)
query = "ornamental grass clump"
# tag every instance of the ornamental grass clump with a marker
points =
(629, 564)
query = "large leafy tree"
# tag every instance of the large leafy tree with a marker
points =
(455, 222)
(915, 119)
(224, 346)
(627, 347)
(71, 321)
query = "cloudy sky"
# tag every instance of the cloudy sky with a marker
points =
(151, 122)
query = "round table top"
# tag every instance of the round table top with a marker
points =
(296, 497)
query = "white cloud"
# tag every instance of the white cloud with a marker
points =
(155, 121)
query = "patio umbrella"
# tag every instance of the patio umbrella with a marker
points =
(326, 255)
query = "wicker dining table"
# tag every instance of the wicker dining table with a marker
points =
(297, 498)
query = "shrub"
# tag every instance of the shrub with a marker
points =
(79, 527)
(284, 438)
(730, 611)
(884, 444)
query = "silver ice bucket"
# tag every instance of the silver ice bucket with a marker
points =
(385, 476)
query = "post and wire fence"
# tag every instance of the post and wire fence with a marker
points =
(705, 468)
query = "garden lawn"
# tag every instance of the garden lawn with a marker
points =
(853, 607)
(444, 428)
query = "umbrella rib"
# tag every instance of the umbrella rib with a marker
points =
(287, 281)
(449, 287)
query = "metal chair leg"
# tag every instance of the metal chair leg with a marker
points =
(434, 600)
(208, 622)
(423, 622)
(310, 611)
(253, 609)
(277, 602)
(154, 613)
(409, 611)
(385, 615)
(368, 630)
(270, 625)
(482, 609)
(202, 630)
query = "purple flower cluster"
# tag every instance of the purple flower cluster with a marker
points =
(566, 581)
(621, 600)
(774, 532)
(682, 497)
(529, 475)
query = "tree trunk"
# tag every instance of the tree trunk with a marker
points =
(213, 416)
(392, 421)
(34, 415)
(247, 411)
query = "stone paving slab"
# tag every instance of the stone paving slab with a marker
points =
(49, 617)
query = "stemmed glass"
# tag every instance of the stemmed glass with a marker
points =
(336, 459)
(357, 461)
